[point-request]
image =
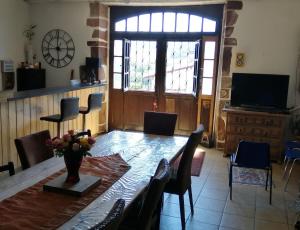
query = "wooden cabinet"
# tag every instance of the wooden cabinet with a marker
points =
(257, 127)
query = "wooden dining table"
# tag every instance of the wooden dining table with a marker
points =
(141, 151)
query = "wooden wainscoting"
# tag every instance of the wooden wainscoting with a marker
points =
(22, 117)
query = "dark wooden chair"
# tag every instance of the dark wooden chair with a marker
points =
(94, 102)
(252, 155)
(113, 219)
(180, 180)
(147, 216)
(32, 149)
(69, 109)
(9, 167)
(159, 123)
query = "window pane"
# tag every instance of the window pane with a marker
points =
(179, 67)
(120, 25)
(156, 22)
(195, 23)
(132, 24)
(182, 23)
(144, 22)
(118, 47)
(209, 52)
(117, 81)
(118, 64)
(207, 86)
(209, 25)
(169, 22)
(142, 65)
(208, 68)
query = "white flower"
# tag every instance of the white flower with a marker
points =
(75, 147)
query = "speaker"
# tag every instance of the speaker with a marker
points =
(92, 63)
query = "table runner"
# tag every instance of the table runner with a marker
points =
(34, 208)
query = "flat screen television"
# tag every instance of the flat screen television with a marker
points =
(259, 91)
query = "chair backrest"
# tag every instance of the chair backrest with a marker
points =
(32, 148)
(94, 101)
(69, 108)
(159, 123)
(253, 155)
(112, 220)
(184, 168)
(154, 195)
(9, 167)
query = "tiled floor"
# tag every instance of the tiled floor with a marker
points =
(248, 209)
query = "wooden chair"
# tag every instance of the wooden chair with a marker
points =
(252, 155)
(112, 220)
(9, 167)
(32, 148)
(69, 110)
(147, 216)
(159, 123)
(180, 180)
(94, 102)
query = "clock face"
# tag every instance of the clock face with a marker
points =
(58, 48)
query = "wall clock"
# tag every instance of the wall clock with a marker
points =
(58, 48)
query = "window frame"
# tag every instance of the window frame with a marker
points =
(213, 12)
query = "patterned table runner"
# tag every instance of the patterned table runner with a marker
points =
(34, 208)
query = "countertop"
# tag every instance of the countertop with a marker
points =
(52, 90)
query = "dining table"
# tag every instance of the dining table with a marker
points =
(142, 152)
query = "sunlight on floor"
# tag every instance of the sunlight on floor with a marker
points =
(248, 209)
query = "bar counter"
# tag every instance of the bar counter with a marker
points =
(20, 114)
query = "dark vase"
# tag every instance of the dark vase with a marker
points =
(73, 162)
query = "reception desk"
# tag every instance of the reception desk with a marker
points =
(21, 111)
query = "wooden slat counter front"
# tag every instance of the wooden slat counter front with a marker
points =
(20, 115)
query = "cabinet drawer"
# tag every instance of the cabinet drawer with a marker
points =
(253, 120)
(254, 131)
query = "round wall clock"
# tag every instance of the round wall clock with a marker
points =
(58, 48)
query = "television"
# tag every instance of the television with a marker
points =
(259, 91)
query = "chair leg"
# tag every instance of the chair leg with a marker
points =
(230, 181)
(83, 122)
(191, 199)
(290, 172)
(58, 129)
(267, 179)
(285, 168)
(271, 183)
(182, 214)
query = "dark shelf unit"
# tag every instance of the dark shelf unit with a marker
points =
(28, 79)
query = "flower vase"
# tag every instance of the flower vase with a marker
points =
(29, 53)
(73, 162)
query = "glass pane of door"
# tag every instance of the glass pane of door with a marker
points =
(142, 65)
(180, 67)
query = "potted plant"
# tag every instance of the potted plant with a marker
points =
(73, 147)
(29, 33)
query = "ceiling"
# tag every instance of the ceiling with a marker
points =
(137, 2)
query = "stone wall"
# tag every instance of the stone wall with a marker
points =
(223, 97)
(99, 21)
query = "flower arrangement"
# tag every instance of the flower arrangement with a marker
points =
(29, 32)
(72, 142)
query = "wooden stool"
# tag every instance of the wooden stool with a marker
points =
(94, 102)
(69, 109)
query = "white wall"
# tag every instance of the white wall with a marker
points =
(268, 32)
(70, 17)
(14, 18)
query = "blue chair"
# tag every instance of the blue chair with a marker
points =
(292, 153)
(252, 155)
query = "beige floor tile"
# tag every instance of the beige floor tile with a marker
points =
(270, 213)
(237, 222)
(196, 225)
(239, 209)
(206, 216)
(168, 222)
(210, 204)
(266, 225)
(218, 194)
